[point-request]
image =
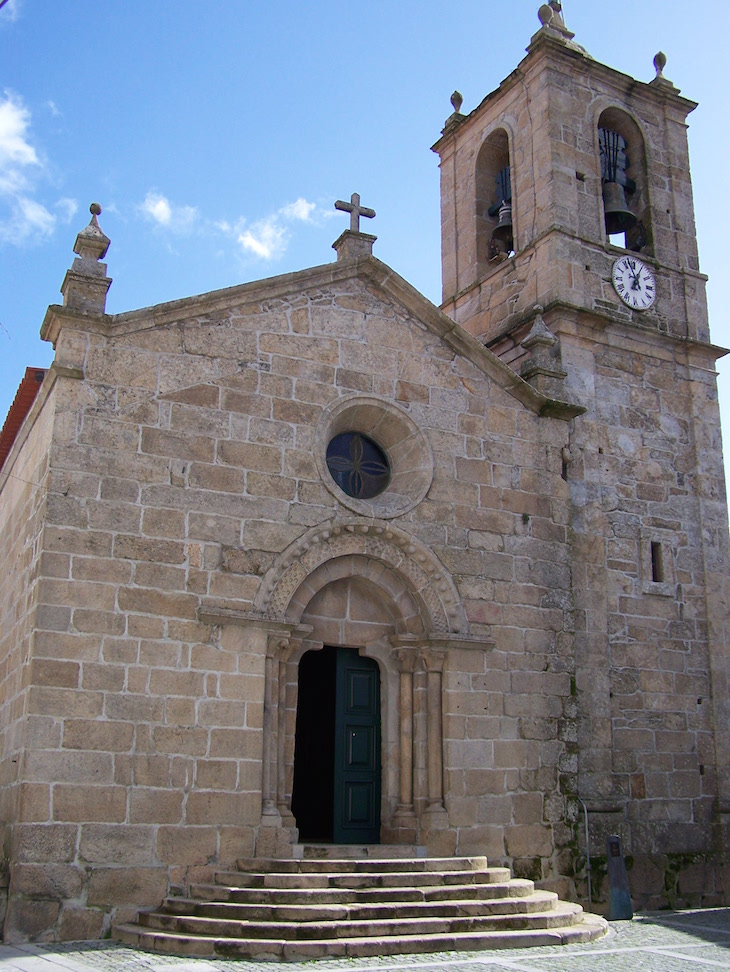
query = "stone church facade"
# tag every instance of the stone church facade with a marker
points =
(527, 580)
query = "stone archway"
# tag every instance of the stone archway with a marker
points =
(390, 557)
(370, 586)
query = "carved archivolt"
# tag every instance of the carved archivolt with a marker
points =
(388, 556)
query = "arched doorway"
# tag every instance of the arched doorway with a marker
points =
(337, 763)
(374, 587)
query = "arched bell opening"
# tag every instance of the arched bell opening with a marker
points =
(624, 184)
(494, 202)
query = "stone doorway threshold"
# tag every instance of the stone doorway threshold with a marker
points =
(331, 851)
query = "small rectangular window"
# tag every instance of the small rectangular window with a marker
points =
(657, 562)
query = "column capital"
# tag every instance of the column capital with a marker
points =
(406, 658)
(433, 659)
(278, 646)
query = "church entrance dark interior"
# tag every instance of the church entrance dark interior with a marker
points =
(336, 795)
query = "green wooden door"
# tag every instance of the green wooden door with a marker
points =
(357, 750)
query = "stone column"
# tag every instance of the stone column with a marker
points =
(404, 819)
(292, 701)
(284, 761)
(270, 816)
(434, 816)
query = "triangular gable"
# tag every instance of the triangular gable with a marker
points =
(376, 274)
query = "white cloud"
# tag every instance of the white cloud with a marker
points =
(68, 208)
(15, 150)
(11, 11)
(264, 239)
(301, 209)
(28, 221)
(159, 209)
(19, 163)
(36, 216)
(268, 238)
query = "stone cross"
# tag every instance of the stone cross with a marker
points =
(355, 210)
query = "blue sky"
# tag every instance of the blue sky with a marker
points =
(217, 134)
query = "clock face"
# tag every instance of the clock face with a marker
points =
(634, 283)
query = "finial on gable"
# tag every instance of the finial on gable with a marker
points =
(92, 243)
(544, 367)
(552, 23)
(86, 284)
(550, 16)
(456, 117)
(557, 7)
(660, 62)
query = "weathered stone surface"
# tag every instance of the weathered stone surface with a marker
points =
(112, 886)
(187, 845)
(130, 846)
(45, 843)
(80, 924)
(30, 920)
(48, 881)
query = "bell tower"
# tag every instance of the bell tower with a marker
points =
(568, 232)
(562, 168)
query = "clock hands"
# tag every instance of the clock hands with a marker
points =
(634, 283)
(635, 274)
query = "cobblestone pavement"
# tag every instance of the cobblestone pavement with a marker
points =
(687, 941)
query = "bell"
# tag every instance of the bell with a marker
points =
(619, 217)
(503, 230)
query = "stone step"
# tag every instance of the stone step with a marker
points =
(590, 928)
(538, 901)
(341, 906)
(561, 915)
(492, 890)
(358, 851)
(383, 865)
(367, 879)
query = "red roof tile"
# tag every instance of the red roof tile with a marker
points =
(24, 398)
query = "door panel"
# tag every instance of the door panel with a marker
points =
(359, 689)
(357, 750)
(361, 746)
(359, 804)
